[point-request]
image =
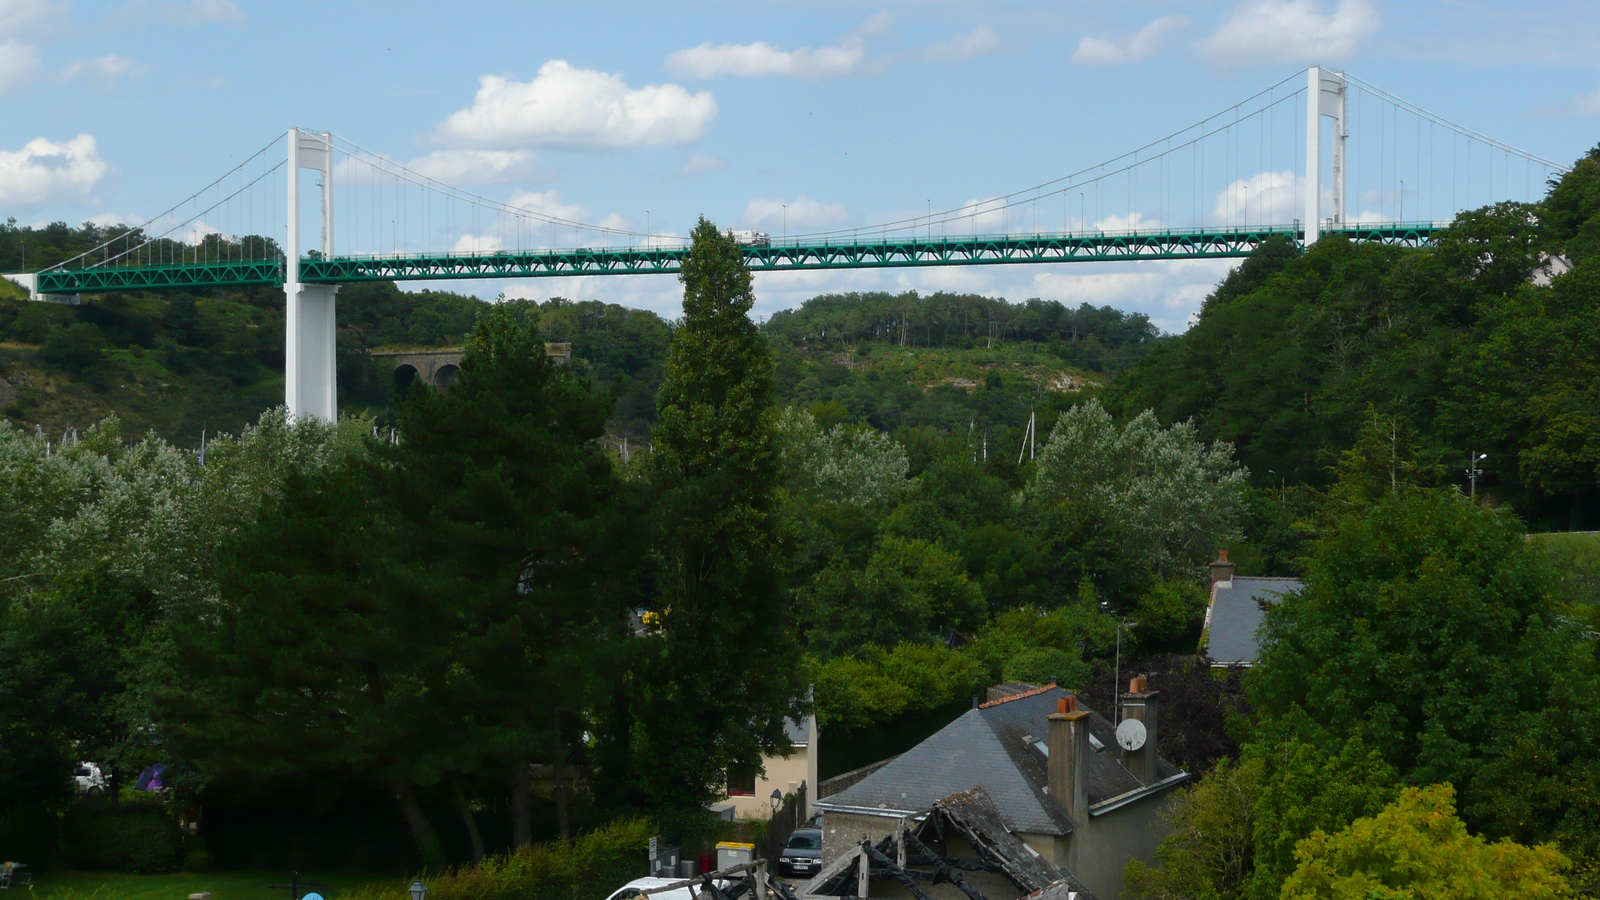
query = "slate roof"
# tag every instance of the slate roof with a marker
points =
(994, 747)
(799, 733)
(1235, 615)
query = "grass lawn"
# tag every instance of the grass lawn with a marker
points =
(224, 884)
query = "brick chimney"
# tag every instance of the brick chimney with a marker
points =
(1221, 569)
(1069, 757)
(1140, 703)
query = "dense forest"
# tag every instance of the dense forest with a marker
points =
(889, 500)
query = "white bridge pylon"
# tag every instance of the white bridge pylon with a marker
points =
(1325, 97)
(310, 366)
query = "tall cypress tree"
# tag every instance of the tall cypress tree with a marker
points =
(727, 671)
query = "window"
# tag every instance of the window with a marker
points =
(741, 782)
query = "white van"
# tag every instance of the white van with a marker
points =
(90, 780)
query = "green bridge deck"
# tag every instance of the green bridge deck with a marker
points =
(779, 257)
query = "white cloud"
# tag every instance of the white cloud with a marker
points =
(981, 41)
(478, 243)
(803, 212)
(18, 16)
(178, 12)
(1094, 51)
(1134, 221)
(46, 171)
(577, 108)
(1289, 31)
(1585, 104)
(196, 233)
(457, 167)
(762, 59)
(1263, 198)
(701, 163)
(548, 203)
(18, 62)
(112, 67)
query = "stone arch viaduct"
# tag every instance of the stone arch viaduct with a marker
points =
(437, 368)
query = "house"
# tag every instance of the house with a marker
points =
(1054, 771)
(1235, 612)
(957, 849)
(750, 794)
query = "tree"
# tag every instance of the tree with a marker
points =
(75, 347)
(1417, 848)
(1307, 788)
(909, 590)
(509, 507)
(1170, 498)
(726, 671)
(322, 655)
(1209, 853)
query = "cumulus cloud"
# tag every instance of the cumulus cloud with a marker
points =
(18, 63)
(1134, 221)
(110, 67)
(1289, 31)
(803, 212)
(1265, 197)
(46, 171)
(1095, 51)
(478, 243)
(577, 108)
(762, 59)
(847, 57)
(475, 166)
(549, 203)
(20, 16)
(701, 163)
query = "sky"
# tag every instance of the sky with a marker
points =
(760, 114)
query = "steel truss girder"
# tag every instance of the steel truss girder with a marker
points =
(944, 251)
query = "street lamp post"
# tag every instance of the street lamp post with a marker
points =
(1474, 472)
(418, 890)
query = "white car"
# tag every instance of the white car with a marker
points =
(89, 780)
(638, 886)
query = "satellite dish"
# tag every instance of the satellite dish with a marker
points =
(1130, 734)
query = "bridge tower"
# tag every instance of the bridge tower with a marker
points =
(1325, 97)
(309, 363)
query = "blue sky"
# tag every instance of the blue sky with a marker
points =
(845, 114)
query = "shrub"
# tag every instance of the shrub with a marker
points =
(596, 864)
(30, 833)
(74, 348)
(1047, 665)
(121, 837)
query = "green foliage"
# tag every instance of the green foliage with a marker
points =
(1417, 848)
(1078, 629)
(909, 590)
(74, 348)
(1305, 788)
(843, 464)
(30, 832)
(1101, 338)
(877, 685)
(1425, 625)
(1170, 499)
(590, 868)
(121, 837)
(702, 705)
(1168, 610)
(1209, 853)
(1047, 665)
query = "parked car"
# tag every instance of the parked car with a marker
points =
(802, 853)
(638, 886)
(90, 780)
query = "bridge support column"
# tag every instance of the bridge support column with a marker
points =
(1325, 95)
(310, 365)
(310, 369)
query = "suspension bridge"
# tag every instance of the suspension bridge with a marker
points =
(1216, 189)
